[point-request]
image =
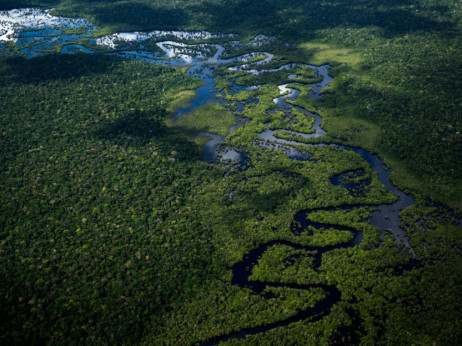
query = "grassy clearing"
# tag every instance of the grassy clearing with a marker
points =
(212, 118)
(322, 53)
(352, 131)
(149, 233)
(361, 133)
(448, 192)
(181, 100)
(345, 119)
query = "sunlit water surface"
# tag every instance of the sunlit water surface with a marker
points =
(37, 32)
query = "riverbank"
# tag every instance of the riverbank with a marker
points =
(117, 220)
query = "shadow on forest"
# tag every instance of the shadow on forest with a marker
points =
(140, 129)
(291, 20)
(9, 4)
(300, 18)
(140, 15)
(53, 67)
(137, 125)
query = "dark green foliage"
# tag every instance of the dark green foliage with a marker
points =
(138, 14)
(403, 43)
(294, 20)
(95, 225)
(16, 70)
(8, 5)
(408, 87)
(113, 231)
(138, 126)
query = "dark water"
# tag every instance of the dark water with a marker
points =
(42, 38)
(347, 181)
(243, 270)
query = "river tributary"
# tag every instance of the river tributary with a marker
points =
(36, 32)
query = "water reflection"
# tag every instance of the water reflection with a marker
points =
(36, 32)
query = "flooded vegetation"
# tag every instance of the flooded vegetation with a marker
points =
(192, 187)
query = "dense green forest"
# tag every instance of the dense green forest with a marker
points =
(114, 230)
(409, 54)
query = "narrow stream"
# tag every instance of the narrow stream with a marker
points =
(36, 32)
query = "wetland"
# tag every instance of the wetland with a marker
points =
(186, 190)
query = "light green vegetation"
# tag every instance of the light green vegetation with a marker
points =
(304, 100)
(150, 232)
(180, 100)
(322, 53)
(9, 46)
(303, 80)
(222, 83)
(362, 122)
(304, 71)
(352, 131)
(201, 141)
(113, 230)
(327, 236)
(76, 31)
(296, 121)
(262, 201)
(212, 118)
(261, 111)
(258, 57)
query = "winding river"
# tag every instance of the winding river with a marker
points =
(36, 32)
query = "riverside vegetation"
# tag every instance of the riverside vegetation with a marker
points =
(114, 229)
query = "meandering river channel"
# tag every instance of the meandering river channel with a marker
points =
(36, 32)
